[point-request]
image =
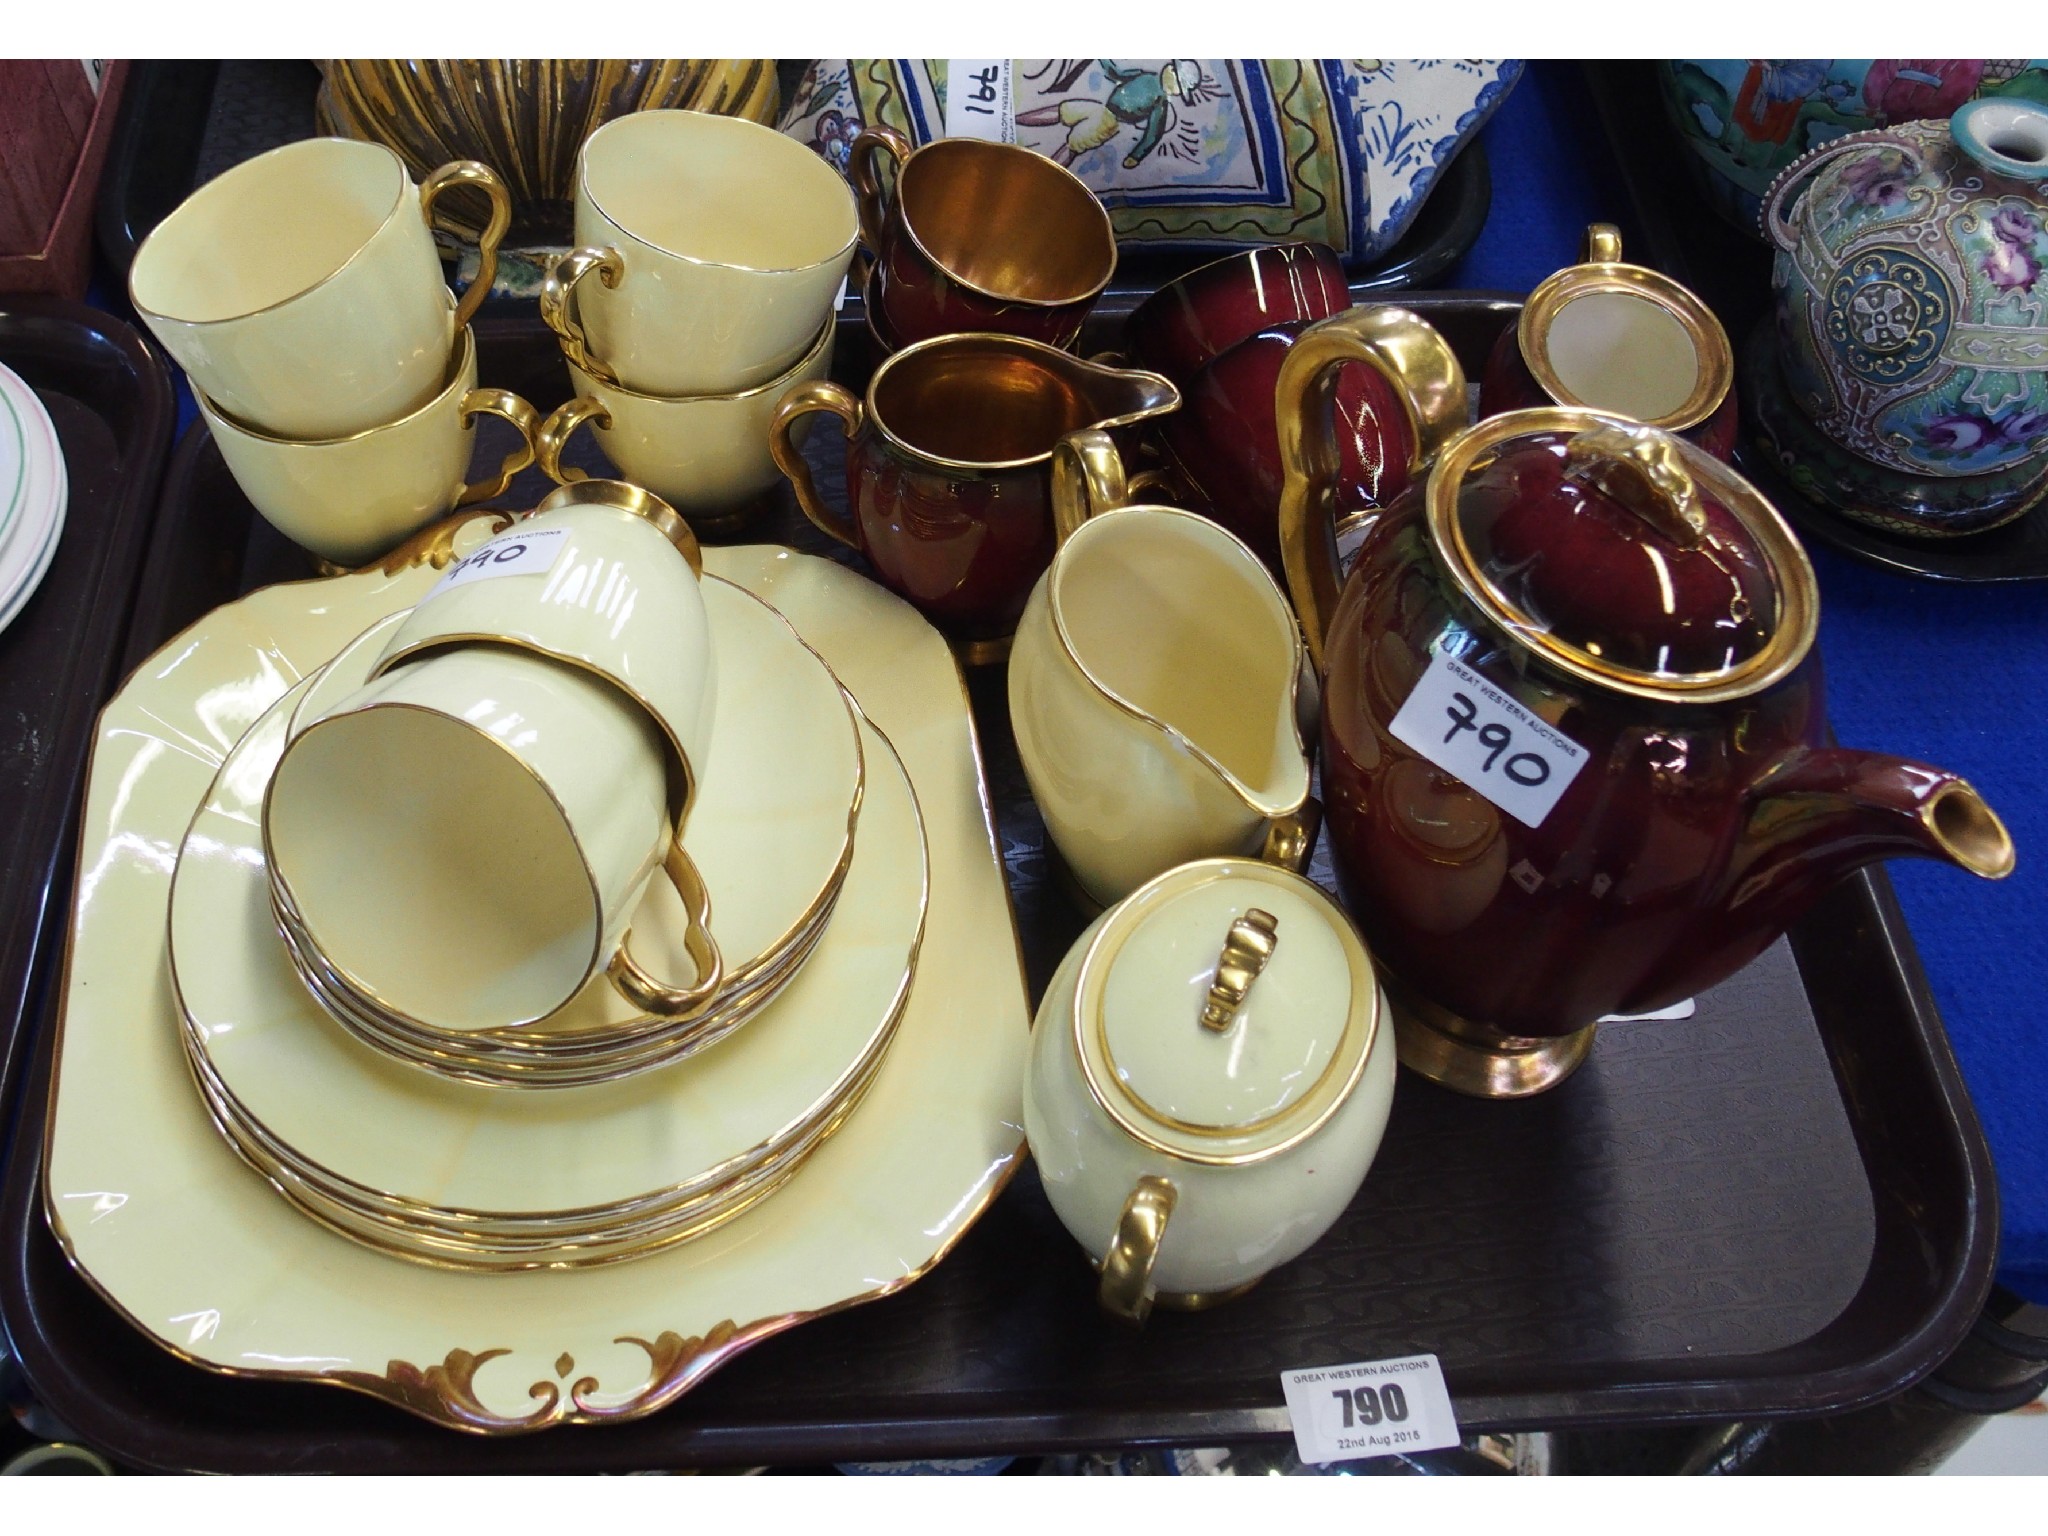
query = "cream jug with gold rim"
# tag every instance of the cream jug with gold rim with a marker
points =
(1153, 687)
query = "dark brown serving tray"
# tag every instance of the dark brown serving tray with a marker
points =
(110, 400)
(1782, 1205)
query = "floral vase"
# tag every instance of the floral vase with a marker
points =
(1911, 315)
(1745, 120)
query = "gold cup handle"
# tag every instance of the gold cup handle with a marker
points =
(814, 395)
(1087, 480)
(502, 403)
(552, 436)
(1407, 351)
(867, 184)
(1291, 839)
(639, 986)
(1602, 244)
(473, 173)
(1126, 1290)
(557, 295)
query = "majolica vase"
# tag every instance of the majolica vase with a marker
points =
(1912, 315)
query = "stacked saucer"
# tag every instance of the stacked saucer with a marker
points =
(771, 834)
(33, 491)
(424, 1167)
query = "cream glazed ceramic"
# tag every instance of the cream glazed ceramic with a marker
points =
(717, 245)
(454, 1173)
(349, 499)
(423, 1141)
(772, 834)
(1209, 1081)
(1153, 689)
(464, 839)
(706, 455)
(302, 292)
(620, 598)
(157, 1213)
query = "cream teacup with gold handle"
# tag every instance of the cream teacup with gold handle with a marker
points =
(301, 290)
(350, 499)
(708, 456)
(716, 245)
(1153, 687)
(460, 843)
(1210, 1076)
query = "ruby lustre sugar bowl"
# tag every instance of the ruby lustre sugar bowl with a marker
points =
(1575, 754)
(1912, 316)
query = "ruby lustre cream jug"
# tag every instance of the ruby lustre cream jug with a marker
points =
(1912, 313)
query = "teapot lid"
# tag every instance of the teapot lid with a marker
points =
(1224, 1011)
(1624, 556)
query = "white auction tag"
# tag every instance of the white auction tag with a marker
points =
(1378, 1408)
(978, 104)
(1684, 1010)
(1468, 727)
(514, 553)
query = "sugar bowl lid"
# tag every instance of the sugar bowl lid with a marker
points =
(1224, 1011)
(1622, 555)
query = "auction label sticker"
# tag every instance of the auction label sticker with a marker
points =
(1468, 727)
(1377, 1408)
(978, 103)
(514, 553)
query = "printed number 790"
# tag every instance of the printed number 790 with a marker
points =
(1369, 1405)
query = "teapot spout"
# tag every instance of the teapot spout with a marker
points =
(1819, 813)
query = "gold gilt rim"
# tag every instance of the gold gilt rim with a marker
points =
(297, 148)
(1218, 1146)
(540, 1072)
(706, 1178)
(957, 147)
(619, 228)
(347, 977)
(1025, 344)
(1200, 754)
(588, 384)
(460, 379)
(762, 962)
(1798, 617)
(560, 1070)
(1713, 355)
(442, 1392)
(452, 1246)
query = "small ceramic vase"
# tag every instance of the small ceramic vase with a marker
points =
(1912, 319)
(1210, 1076)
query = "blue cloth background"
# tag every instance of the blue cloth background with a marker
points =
(1954, 675)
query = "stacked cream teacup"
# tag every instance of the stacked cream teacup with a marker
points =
(710, 251)
(302, 295)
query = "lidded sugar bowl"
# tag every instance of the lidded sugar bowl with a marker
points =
(1575, 756)
(1210, 1076)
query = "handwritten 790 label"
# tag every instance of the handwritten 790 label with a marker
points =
(510, 554)
(1468, 727)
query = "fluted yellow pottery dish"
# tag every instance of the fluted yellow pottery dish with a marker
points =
(160, 1216)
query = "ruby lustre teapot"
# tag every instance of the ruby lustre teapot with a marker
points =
(1575, 758)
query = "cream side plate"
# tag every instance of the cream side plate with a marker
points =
(159, 1215)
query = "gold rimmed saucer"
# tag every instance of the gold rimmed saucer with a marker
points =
(589, 1159)
(772, 833)
(159, 1216)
